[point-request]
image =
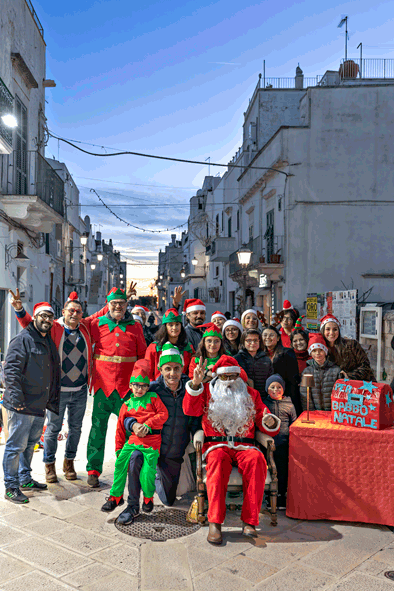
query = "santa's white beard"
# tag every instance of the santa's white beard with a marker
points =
(231, 408)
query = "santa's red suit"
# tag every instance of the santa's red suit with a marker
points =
(222, 453)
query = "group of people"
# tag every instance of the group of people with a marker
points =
(226, 376)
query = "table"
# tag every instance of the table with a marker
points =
(339, 472)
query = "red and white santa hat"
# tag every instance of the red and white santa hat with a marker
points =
(139, 308)
(232, 322)
(226, 364)
(193, 305)
(287, 306)
(42, 307)
(329, 318)
(73, 297)
(316, 341)
(250, 311)
(218, 314)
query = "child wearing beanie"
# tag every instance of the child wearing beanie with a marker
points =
(325, 374)
(281, 406)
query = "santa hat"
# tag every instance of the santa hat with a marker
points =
(73, 297)
(316, 341)
(211, 330)
(140, 309)
(116, 294)
(244, 376)
(140, 374)
(171, 315)
(138, 319)
(287, 306)
(193, 305)
(226, 364)
(218, 314)
(329, 318)
(233, 322)
(250, 311)
(170, 354)
(42, 307)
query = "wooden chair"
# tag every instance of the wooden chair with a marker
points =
(235, 480)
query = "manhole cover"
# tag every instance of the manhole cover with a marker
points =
(160, 525)
(389, 574)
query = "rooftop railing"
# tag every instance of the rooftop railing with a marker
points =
(35, 17)
(377, 68)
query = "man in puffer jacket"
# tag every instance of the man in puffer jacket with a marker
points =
(325, 374)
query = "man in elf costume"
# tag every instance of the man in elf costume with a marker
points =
(119, 343)
(231, 411)
(144, 415)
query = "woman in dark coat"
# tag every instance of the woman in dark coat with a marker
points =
(299, 343)
(284, 363)
(254, 360)
(348, 354)
(232, 330)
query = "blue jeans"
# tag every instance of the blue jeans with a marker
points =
(24, 431)
(75, 402)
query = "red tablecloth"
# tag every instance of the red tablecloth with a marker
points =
(339, 472)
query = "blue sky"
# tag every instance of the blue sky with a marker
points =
(173, 78)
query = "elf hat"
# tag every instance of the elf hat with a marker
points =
(287, 306)
(218, 314)
(329, 318)
(298, 323)
(42, 307)
(170, 354)
(232, 322)
(140, 309)
(211, 330)
(226, 364)
(193, 305)
(250, 311)
(140, 374)
(171, 315)
(73, 297)
(316, 341)
(116, 294)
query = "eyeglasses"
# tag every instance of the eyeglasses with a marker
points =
(46, 316)
(140, 386)
(227, 377)
(74, 311)
(117, 304)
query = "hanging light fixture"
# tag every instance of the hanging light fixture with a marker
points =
(244, 254)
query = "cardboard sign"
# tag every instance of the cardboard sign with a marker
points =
(362, 404)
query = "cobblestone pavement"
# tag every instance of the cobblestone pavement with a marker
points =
(61, 540)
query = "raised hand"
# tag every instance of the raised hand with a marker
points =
(16, 299)
(269, 420)
(199, 372)
(178, 295)
(131, 291)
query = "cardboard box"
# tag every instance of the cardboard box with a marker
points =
(367, 405)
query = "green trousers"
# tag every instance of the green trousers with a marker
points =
(147, 474)
(102, 409)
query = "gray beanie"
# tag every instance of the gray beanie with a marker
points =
(274, 378)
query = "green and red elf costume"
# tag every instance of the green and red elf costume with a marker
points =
(154, 350)
(211, 330)
(117, 346)
(146, 410)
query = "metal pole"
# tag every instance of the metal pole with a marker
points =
(360, 45)
(264, 73)
(245, 274)
(346, 40)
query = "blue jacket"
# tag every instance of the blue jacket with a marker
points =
(176, 431)
(32, 373)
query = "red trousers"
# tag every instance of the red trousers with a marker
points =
(252, 465)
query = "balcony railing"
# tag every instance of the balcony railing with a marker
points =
(378, 68)
(281, 83)
(212, 295)
(265, 251)
(28, 173)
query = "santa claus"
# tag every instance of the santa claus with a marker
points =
(230, 412)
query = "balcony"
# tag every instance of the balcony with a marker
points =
(267, 256)
(369, 68)
(212, 295)
(31, 191)
(221, 248)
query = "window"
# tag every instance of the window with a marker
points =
(222, 221)
(216, 271)
(217, 225)
(229, 229)
(251, 232)
(269, 234)
(20, 157)
(238, 220)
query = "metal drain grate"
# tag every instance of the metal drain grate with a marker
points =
(160, 525)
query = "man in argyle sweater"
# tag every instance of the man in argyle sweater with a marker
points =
(144, 415)
(118, 343)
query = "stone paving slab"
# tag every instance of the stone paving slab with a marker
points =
(35, 581)
(9, 535)
(96, 521)
(25, 516)
(46, 526)
(165, 567)
(55, 508)
(88, 575)
(114, 582)
(360, 582)
(298, 577)
(281, 555)
(247, 568)
(10, 568)
(125, 558)
(80, 540)
(215, 580)
(202, 560)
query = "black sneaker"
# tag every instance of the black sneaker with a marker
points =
(147, 507)
(111, 504)
(33, 485)
(127, 516)
(15, 496)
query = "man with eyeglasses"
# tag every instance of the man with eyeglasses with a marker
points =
(32, 385)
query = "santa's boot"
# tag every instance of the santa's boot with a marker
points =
(249, 530)
(215, 533)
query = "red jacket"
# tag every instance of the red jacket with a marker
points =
(152, 413)
(57, 334)
(196, 402)
(153, 353)
(285, 338)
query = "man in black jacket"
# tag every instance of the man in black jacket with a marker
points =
(195, 313)
(32, 384)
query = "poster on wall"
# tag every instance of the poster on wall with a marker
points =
(343, 304)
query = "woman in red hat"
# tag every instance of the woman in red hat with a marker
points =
(210, 349)
(325, 374)
(289, 318)
(347, 353)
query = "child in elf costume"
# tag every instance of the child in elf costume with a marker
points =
(210, 350)
(143, 415)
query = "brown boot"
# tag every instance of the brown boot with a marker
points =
(69, 470)
(215, 533)
(249, 531)
(50, 473)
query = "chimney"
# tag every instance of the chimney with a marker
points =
(98, 236)
(299, 78)
(173, 236)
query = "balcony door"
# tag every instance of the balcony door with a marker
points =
(20, 152)
(269, 234)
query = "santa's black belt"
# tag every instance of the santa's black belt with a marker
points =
(228, 439)
(155, 432)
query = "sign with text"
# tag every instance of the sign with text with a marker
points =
(362, 404)
(343, 304)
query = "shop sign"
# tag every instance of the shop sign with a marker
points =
(264, 281)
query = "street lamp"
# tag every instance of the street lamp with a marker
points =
(183, 273)
(244, 255)
(100, 257)
(194, 262)
(84, 240)
(121, 275)
(93, 266)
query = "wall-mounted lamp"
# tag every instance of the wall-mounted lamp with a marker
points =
(19, 256)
